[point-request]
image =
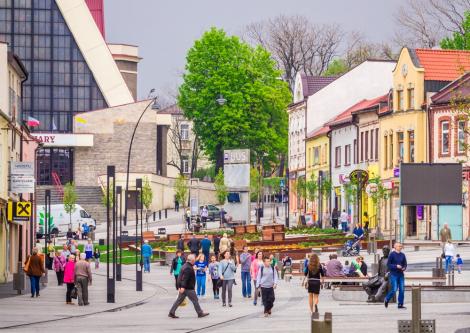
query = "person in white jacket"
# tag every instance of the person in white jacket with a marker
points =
(449, 253)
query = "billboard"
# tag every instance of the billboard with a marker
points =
(430, 184)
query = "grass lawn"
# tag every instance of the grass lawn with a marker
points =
(126, 260)
(102, 248)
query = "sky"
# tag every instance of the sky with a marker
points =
(166, 30)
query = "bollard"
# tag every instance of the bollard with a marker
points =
(321, 326)
(154, 214)
(160, 214)
(301, 267)
(415, 308)
(19, 279)
(450, 275)
(213, 216)
(277, 211)
(165, 213)
(438, 271)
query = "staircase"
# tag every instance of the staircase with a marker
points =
(89, 197)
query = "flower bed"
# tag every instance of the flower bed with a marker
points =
(304, 230)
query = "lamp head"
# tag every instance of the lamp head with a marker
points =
(221, 100)
(155, 105)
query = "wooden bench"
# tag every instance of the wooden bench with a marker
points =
(148, 235)
(316, 250)
(267, 235)
(410, 279)
(159, 261)
(417, 246)
(231, 224)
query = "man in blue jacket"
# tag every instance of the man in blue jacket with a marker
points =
(206, 248)
(397, 264)
(86, 228)
(146, 253)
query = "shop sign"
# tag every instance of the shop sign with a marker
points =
(237, 156)
(19, 211)
(353, 176)
(344, 179)
(338, 190)
(302, 174)
(371, 189)
(388, 185)
(419, 212)
(22, 185)
(65, 140)
(396, 172)
(22, 169)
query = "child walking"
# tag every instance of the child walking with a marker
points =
(214, 276)
(459, 263)
(97, 255)
(200, 267)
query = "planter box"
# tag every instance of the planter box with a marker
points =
(279, 236)
(239, 229)
(275, 227)
(239, 244)
(174, 237)
(209, 236)
(251, 229)
(267, 234)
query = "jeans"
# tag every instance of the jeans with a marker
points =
(268, 298)
(344, 226)
(215, 289)
(191, 294)
(448, 263)
(82, 290)
(34, 284)
(397, 282)
(201, 285)
(188, 219)
(146, 264)
(246, 283)
(206, 253)
(227, 284)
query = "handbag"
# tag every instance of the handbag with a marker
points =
(443, 256)
(26, 267)
(219, 281)
(74, 293)
(306, 284)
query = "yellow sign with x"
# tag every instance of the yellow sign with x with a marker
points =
(19, 211)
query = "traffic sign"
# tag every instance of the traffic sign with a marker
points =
(19, 211)
(282, 182)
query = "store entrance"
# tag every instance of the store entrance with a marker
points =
(411, 221)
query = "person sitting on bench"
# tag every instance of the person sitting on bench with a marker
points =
(196, 223)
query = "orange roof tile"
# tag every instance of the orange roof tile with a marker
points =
(443, 65)
(384, 109)
(323, 130)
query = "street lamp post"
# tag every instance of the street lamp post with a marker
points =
(118, 265)
(138, 280)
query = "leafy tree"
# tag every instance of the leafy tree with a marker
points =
(256, 187)
(202, 172)
(300, 191)
(254, 115)
(146, 197)
(351, 194)
(379, 197)
(336, 67)
(312, 188)
(221, 192)
(182, 193)
(327, 188)
(69, 200)
(104, 198)
(460, 40)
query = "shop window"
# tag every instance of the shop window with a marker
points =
(412, 147)
(54, 160)
(445, 137)
(411, 98)
(461, 136)
(400, 100)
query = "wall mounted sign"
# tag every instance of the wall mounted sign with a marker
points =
(396, 172)
(237, 156)
(354, 176)
(344, 178)
(65, 140)
(388, 185)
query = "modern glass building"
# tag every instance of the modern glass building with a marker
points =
(61, 82)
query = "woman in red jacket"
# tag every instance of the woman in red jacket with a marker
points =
(68, 279)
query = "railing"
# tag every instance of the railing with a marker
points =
(57, 185)
(373, 221)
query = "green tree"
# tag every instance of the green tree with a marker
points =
(221, 192)
(379, 197)
(254, 115)
(69, 200)
(336, 67)
(182, 193)
(312, 188)
(104, 198)
(202, 172)
(146, 197)
(300, 191)
(459, 41)
(256, 187)
(327, 188)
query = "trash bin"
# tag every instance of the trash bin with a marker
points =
(261, 212)
(101, 242)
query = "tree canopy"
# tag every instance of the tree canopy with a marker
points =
(254, 115)
(460, 40)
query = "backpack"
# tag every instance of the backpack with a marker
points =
(262, 271)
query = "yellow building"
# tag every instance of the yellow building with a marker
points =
(404, 134)
(317, 148)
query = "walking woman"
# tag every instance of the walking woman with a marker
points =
(59, 267)
(255, 254)
(224, 243)
(314, 274)
(214, 276)
(227, 267)
(449, 253)
(255, 265)
(68, 279)
(176, 264)
(334, 218)
(88, 249)
(236, 258)
(35, 271)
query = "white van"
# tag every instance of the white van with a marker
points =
(60, 220)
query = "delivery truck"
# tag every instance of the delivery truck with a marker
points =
(60, 220)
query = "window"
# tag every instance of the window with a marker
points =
(338, 156)
(461, 136)
(367, 145)
(445, 137)
(391, 150)
(385, 151)
(362, 146)
(54, 160)
(412, 147)
(411, 98)
(355, 151)
(401, 149)
(325, 161)
(400, 100)
(347, 155)
(84, 214)
(377, 144)
(185, 164)
(185, 132)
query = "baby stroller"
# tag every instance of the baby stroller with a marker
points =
(350, 249)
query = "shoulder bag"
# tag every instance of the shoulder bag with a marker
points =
(74, 293)
(26, 267)
(219, 281)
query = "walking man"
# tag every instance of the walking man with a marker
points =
(194, 245)
(266, 282)
(186, 283)
(206, 248)
(147, 253)
(397, 265)
(177, 204)
(344, 220)
(188, 216)
(327, 219)
(180, 245)
(445, 235)
(245, 259)
(222, 213)
(216, 247)
(86, 228)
